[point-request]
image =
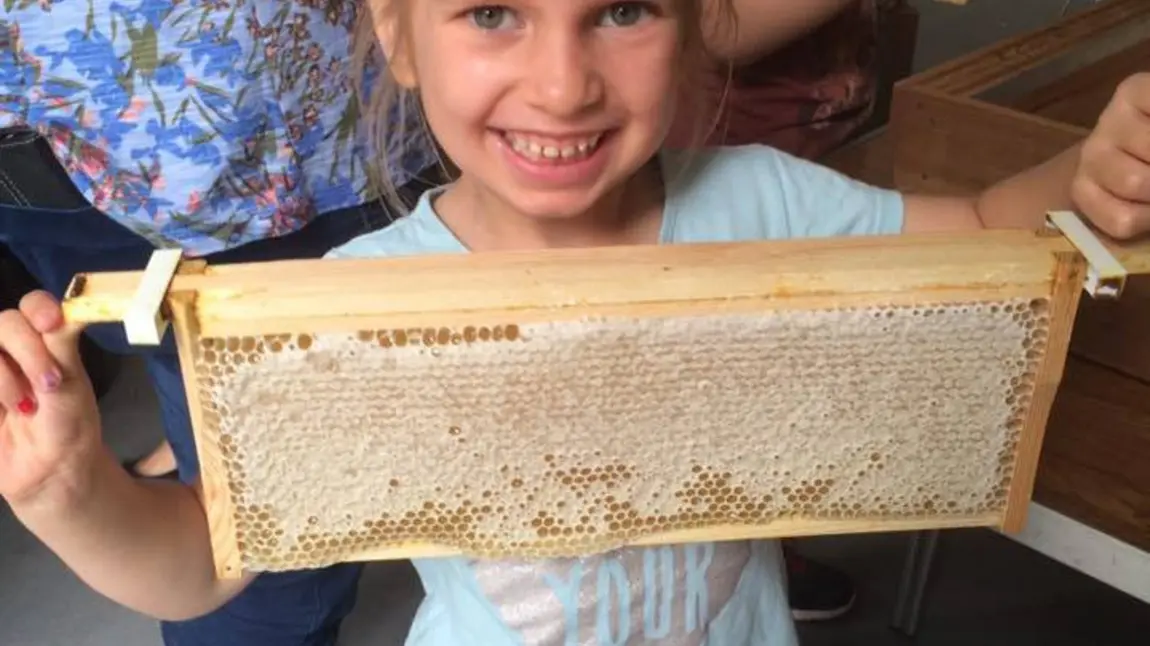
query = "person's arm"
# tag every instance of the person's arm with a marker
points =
(1106, 177)
(144, 545)
(760, 27)
(1020, 202)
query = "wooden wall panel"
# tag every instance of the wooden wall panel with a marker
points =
(1117, 333)
(947, 144)
(1095, 463)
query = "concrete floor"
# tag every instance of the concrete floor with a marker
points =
(986, 590)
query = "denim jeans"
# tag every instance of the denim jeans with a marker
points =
(56, 233)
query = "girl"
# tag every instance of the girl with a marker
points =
(554, 114)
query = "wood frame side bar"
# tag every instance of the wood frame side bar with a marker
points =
(213, 477)
(1066, 294)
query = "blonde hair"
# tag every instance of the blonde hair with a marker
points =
(395, 116)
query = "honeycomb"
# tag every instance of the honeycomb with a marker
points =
(566, 438)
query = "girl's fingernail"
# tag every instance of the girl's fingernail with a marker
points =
(26, 406)
(52, 380)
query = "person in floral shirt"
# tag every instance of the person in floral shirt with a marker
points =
(204, 125)
(228, 128)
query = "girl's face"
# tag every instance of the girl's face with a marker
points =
(547, 105)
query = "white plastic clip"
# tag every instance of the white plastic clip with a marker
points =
(144, 321)
(1105, 275)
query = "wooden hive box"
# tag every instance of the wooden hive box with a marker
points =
(570, 401)
(968, 123)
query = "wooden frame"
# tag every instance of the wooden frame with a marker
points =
(636, 283)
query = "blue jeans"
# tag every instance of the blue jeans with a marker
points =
(55, 237)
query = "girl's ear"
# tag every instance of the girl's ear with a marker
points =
(387, 23)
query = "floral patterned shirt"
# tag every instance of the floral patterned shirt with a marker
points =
(202, 124)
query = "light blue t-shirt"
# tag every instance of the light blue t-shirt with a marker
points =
(713, 594)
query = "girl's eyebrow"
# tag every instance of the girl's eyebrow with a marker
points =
(440, 6)
(459, 4)
(455, 6)
(446, 7)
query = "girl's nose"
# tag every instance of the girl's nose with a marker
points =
(564, 77)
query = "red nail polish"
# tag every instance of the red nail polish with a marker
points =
(26, 406)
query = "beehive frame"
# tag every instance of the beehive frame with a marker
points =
(997, 300)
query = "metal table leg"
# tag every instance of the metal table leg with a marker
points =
(915, 576)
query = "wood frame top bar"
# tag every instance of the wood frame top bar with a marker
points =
(602, 277)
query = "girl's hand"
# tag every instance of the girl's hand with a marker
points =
(49, 422)
(1112, 185)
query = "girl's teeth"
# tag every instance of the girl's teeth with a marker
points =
(537, 151)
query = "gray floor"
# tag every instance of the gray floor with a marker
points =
(987, 590)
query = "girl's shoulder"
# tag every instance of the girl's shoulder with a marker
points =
(723, 165)
(758, 192)
(753, 153)
(419, 232)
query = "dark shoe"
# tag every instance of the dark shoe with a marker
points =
(130, 467)
(817, 592)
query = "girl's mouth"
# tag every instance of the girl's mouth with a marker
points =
(542, 149)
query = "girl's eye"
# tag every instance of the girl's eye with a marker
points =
(625, 14)
(491, 17)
